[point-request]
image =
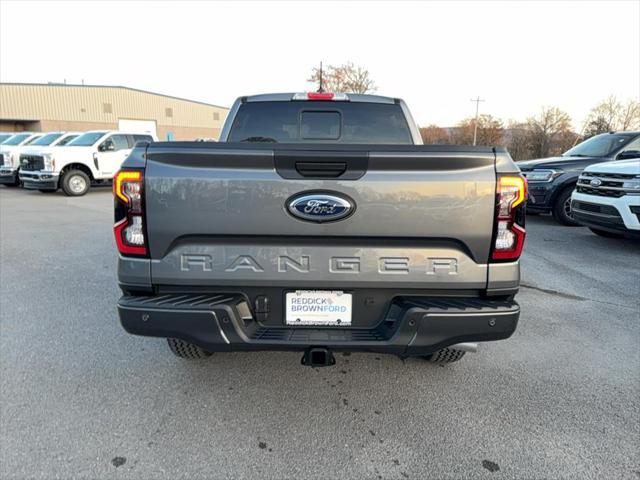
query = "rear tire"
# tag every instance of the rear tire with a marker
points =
(562, 208)
(187, 350)
(446, 355)
(604, 233)
(75, 183)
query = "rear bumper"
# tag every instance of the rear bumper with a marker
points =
(37, 180)
(410, 326)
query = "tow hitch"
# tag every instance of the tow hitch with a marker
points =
(318, 357)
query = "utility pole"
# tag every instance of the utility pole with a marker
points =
(475, 126)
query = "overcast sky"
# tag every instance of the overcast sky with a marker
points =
(437, 56)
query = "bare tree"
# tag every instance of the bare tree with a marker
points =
(629, 116)
(611, 114)
(516, 139)
(595, 126)
(607, 112)
(490, 131)
(434, 135)
(549, 133)
(344, 78)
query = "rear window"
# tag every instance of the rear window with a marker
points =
(320, 125)
(331, 122)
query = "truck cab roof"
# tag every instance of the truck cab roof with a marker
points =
(293, 96)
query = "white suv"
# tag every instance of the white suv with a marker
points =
(93, 156)
(10, 156)
(607, 198)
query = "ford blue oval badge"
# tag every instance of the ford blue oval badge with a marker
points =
(320, 207)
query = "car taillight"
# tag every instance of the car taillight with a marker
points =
(129, 228)
(509, 232)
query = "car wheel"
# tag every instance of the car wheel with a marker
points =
(187, 350)
(604, 233)
(562, 208)
(446, 355)
(75, 183)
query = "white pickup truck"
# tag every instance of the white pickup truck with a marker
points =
(94, 156)
(10, 156)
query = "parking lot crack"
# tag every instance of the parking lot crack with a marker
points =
(570, 296)
(554, 292)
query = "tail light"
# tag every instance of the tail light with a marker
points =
(509, 232)
(336, 97)
(129, 229)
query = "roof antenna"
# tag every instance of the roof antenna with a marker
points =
(320, 89)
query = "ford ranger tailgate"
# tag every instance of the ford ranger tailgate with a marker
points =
(221, 215)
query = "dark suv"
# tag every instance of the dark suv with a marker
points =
(552, 180)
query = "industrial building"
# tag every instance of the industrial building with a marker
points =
(52, 107)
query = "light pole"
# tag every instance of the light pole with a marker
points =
(475, 126)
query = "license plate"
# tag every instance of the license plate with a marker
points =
(318, 307)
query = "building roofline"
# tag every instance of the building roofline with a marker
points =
(53, 84)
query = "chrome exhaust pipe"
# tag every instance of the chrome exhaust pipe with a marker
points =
(465, 347)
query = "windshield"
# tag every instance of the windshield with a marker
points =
(47, 139)
(318, 121)
(4, 136)
(17, 139)
(600, 145)
(86, 139)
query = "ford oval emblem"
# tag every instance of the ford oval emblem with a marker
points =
(596, 182)
(320, 207)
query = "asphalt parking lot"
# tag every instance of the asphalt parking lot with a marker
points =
(81, 398)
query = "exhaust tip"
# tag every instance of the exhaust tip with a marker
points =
(318, 357)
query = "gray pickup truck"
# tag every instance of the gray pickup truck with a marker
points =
(319, 223)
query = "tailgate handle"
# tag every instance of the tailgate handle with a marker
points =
(321, 169)
(320, 162)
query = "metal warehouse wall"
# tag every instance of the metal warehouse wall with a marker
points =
(80, 107)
